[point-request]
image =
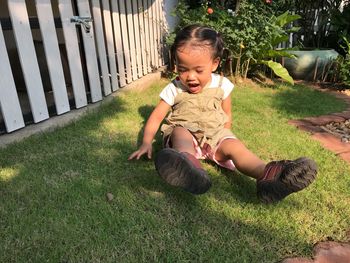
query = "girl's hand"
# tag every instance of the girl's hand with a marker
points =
(144, 148)
(152, 125)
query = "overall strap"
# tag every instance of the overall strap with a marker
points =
(220, 81)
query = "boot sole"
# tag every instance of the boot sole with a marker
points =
(178, 171)
(296, 176)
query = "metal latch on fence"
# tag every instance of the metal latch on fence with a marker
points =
(83, 21)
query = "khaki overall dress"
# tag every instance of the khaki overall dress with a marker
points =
(201, 114)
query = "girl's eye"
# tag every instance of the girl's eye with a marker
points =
(199, 71)
(181, 70)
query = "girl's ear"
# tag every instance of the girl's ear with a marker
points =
(216, 63)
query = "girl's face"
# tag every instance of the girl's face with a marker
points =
(194, 65)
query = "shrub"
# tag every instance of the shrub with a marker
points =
(344, 66)
(250, 31)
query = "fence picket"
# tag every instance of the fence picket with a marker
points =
(147, 35)
(28, 59)
(110, 43)
(118, 43)
(53, 57)
(155, 33)
(90, 53)
(124, 34)
(157, 25)
(100, 42)
(9, 102)
(138, 50)
(73, 55)
(132, 47)
(160, 31)
(151, 36)
(142, 36)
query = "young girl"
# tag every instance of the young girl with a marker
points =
(198, 126)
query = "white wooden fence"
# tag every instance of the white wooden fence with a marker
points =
(91, 49)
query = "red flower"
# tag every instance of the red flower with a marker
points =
(268, 1)
(210, 10)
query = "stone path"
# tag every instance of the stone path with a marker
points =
(328, 140)
(328, 251)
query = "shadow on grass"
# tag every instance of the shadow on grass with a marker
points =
(190, 227)
(242, 187)
(144, 111)
(53, 189)
(302, 101)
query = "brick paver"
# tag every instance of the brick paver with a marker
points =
(327, 252)
(327, 140)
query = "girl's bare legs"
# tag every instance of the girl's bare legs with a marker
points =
(178, 166)
(244, 160)
(277, 179)
(182, 140)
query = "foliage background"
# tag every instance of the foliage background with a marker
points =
(253, 29)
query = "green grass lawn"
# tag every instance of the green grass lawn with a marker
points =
(53, 189)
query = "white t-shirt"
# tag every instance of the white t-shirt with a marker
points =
(170, 91)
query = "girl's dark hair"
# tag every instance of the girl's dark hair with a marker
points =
(199, 35)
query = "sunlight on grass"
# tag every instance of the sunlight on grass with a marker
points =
(7, 174)
(153, 194)
(54, 185)
(112, 126)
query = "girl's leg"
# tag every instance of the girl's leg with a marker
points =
(277, 179)
(182, 140)
(179, 167)
(244, 160)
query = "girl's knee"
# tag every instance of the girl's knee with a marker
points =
(182, 140)
(229, 148)
(230, 144)
(180, 132)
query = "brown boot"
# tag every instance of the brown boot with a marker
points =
(182, 170)
(282, 178)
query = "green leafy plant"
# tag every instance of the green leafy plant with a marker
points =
(344, 66)
(340, 28)
(320, 21)
(250, 29)
(280, 34)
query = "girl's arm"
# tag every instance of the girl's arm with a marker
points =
(226, 106)
(151, 128)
